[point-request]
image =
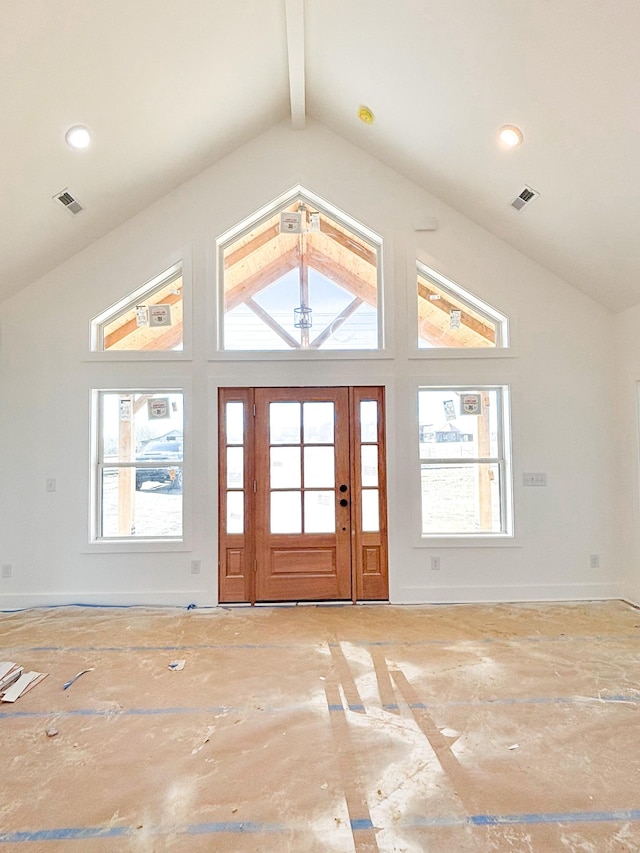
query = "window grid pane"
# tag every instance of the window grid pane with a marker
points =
(370, 511)
(235, 512)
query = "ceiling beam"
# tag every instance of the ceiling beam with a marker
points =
(294, 13)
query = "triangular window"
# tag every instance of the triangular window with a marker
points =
(449, 316)
(299, 275)
(147, 320)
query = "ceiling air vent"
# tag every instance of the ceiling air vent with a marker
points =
(71, 204)
(526, 197)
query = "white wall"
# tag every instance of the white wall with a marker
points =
(560, 370)
(627, 386)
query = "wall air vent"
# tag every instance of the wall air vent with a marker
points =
(70, 203)
(525, 198)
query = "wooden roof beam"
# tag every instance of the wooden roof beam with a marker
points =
(343, 277)
(247, 287)
(443, 304)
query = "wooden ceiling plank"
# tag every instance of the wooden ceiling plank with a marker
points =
(348, 242)
(253, 245)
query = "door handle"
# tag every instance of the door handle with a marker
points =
(343, 488)
(344, 502)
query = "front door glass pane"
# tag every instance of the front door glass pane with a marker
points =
(319, 422)
(368, 420)
(286, 512)
(319, 512)
(319, 468)
(235, 423)
(235, 512)
(285, 468)
(369, 462)
(370, 511)
(284, 423)
(235, 467)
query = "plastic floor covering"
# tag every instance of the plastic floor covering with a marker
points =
(328, 729)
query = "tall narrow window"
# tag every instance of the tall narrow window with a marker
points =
(139, 465)
(147, 320)
(464, 461)
(300, 276)
(449, 316)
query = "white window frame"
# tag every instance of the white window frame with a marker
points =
(132, 542)
(503, 460)
(96, 332)
(503, 323)
(249, 223)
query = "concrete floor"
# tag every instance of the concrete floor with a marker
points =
(373, 728)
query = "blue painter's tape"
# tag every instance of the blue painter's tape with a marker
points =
(559, 817)
(450, 644)
(66, 834)
(586, 702)
(232, 826)
(86, 833)
(357, 824)
(361, 823)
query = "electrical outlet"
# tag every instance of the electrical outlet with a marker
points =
(7, 570)
(195, 567)
(435, 564)
(534, 479)
(594, 561)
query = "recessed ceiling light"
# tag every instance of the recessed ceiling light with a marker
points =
(365, 115)
(510, 135)
(78, 136)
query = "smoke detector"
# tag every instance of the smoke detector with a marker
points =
(67, 201)
(524, 198)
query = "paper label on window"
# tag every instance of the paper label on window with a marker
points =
(449, 410)
(125, 408)
(160, 315)
(291, 223)
(471, 404)
(158, 408)
(142, 315)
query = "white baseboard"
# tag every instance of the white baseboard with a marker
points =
(496, 594)
(405, 595)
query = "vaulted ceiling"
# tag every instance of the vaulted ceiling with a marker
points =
(168, 88)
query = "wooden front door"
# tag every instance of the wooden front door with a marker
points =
(302, 494)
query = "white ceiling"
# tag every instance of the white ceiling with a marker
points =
(169, 87)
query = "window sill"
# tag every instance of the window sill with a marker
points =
(135, 355)
(301, 355)
(135, 546)
(452, 352)
(497, 540)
